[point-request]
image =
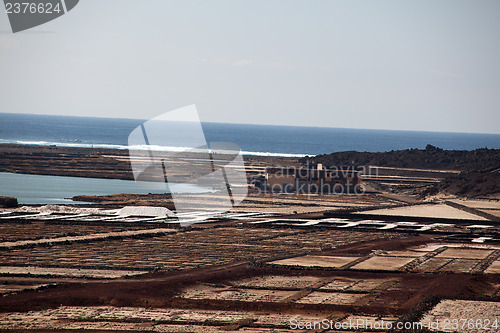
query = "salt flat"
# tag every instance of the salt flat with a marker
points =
(431, 210)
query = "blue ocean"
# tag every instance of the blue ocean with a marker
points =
(263, 140)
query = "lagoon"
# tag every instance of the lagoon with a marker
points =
(41, 189)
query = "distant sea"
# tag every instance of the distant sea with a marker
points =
(263, 140)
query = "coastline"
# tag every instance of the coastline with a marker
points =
(78, 144)
(104, 163)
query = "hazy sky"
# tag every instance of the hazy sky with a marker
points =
(412, 65)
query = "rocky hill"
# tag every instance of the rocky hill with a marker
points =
(471, 184)
(429, 158)
(480, 168)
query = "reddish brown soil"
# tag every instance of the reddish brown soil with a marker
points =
(393, 244)
(159, 289)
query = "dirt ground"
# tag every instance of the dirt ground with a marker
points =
(274, 260)
(255, 296)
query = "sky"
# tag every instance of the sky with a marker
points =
(407, 65)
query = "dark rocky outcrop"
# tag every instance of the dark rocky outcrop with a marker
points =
(429, 158)
(8, 202)
(471, 184)
(480, 168)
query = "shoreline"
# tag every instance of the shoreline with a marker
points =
(104, 163)
(126, 148)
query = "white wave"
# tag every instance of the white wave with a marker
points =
(137, 147)
(39, 143)
(257, 153)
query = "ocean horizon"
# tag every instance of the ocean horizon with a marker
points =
(262, 140)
